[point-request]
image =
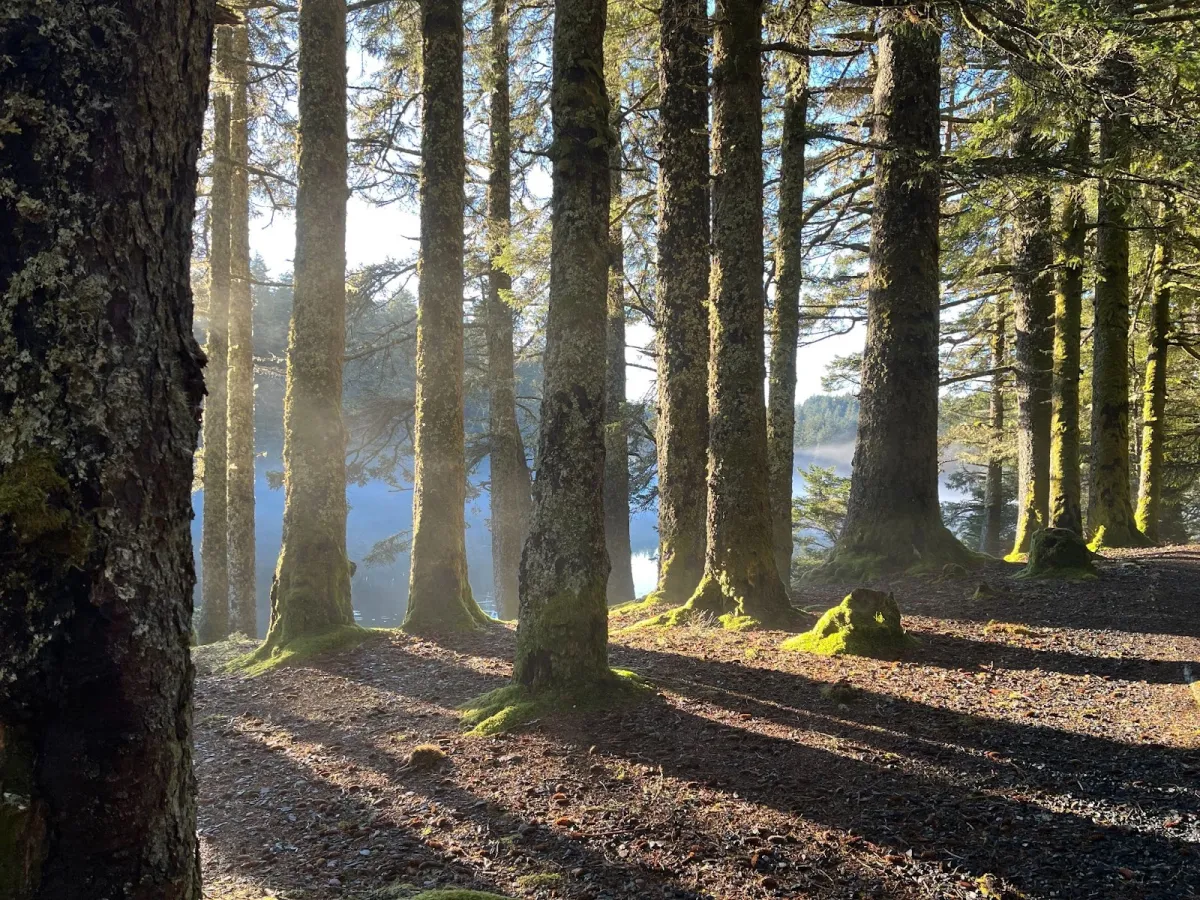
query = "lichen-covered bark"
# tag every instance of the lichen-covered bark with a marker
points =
(616, 434)
(1033, 316)
(439, 595)
(311, 590)
(993, 488)
(784, 324)
(681, 336)
(1110, 509)
(100, 389)
(893, 519)
(214, 545)
(243, 603)
(1066, 509)
(740, 576)
(1154, 391)
(510, 497)
(562, 633)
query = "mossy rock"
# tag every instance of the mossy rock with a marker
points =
(1059, 553)
(865, 623)
(512, 706)
(301, 650)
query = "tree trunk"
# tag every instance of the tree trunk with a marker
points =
(1065, 489)
(562, 633)
(785, 314)
(681, 337)
(243, 600)
(439, 595)
(893, 519)
(616, 434)
(311, 593)
(990, 540)
(100, 390)
(740, 576)
(1154, 392)
(214, 544)
(1033, 315)
(1110, 509)
(510, 499)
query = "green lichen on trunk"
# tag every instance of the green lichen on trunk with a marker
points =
(514, 705)
(893, 519)
(311, 590)
(865, 623)
(990, 541)
(1066, 510)
(214, 543)
(1059, 553)
(784, 324)
(510, 489)
(562, 631)
(681, 338)
(439, 594)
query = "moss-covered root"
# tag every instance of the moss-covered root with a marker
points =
(1059, 553)
(515, 705)
(270, 656)
(717, 602)
(865, 623)
(890, 548)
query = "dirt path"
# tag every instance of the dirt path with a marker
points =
(1039, 743)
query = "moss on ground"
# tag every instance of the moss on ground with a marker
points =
(539, 881)
(865, 623)
(217, 656)
(300, 650)
(994, 627)
(408, 892)
(514, 705)
(1059, 553)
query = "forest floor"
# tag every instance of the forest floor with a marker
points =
(1042, 742)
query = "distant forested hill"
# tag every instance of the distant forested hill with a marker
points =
(826, 419)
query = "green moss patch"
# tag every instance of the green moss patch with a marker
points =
(514, 705)
(217, 656)
(303, 649)
(540, 881)
(865, 623)
(1059, 553)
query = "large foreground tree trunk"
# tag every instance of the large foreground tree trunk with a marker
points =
(243, 598)
(311, 593)
(439, 595)
(893, 519)
(100, 388)
(214, 544)
(510, 499)
(681, 338)
(990, 536)
(785, 314)
(1033, 315)
(1065, 486)
(740, 575)
(562, 633)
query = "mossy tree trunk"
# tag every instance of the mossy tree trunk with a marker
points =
(439, 595)
(990, 539)
(1033, 316)
(243, 600)
(1066, 509)
(100, 391)
(562, 633)
(740, 574)
(616, 432)
(214, 543)
(681, 336)
(510, 497)
(893, 519)
(784, 324)
(1154, 391)
(311, 592)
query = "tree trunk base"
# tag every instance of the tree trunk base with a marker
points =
(744, 607)
(888, 548)
(460, 614)
(1118, 537)
(510, 707)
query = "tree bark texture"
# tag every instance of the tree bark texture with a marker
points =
(510, 496)
(784, 324)
(1066, 509)
(439, 595)
(990, 540)
(893, 518)
(311, 592)
(681, 338)
(100, 390)
(740, 575)
(562, 632)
